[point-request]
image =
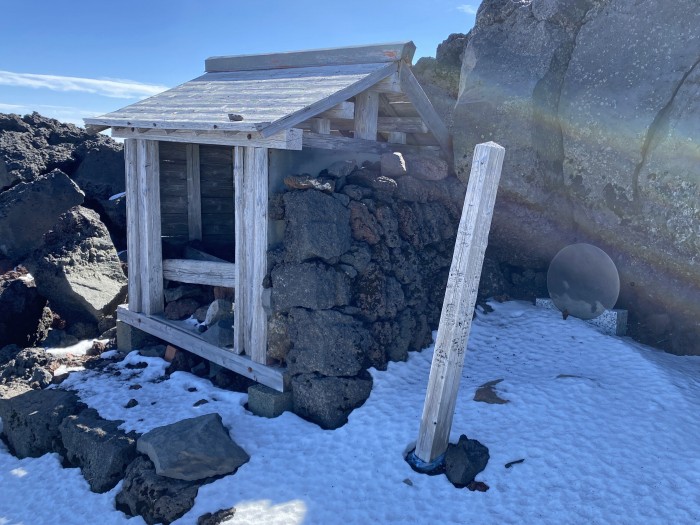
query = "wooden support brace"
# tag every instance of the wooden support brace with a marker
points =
(458, 306)
(133, 246)
(240, 247)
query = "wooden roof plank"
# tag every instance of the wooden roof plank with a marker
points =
(377, 53)
(330, 101)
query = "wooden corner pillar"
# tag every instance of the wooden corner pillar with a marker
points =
(250, 167)
(144, 249)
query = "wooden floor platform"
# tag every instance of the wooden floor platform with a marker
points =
(177, 334)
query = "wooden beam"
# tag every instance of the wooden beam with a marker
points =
(415, 93)
(239, 226)
(256, 166)
(133, 245)
(327, 103)
(458, 305)
(194, 193)
(149, 234)
(321, 125)
(397, 137)
(284, 139)
(390, 52)
(390, 84)
(174, 124)
(366, 113)
(332, 142)
(200, 272)
(179, 335)
(343, 110)
(384, 125)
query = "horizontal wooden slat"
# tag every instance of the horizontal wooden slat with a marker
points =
(210, 205)
(343, 110)
(316, 140)
(314, 57)
(183, 337)
(384, 125)
(284, 139)
(200, 272)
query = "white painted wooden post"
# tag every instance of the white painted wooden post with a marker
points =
(194, 193)
(458, 306)
(132, 228)
(149, 234)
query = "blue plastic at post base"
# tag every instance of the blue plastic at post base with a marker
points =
(437, 466)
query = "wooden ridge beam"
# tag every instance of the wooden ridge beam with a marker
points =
(390, 52)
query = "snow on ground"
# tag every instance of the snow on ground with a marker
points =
(609, 430)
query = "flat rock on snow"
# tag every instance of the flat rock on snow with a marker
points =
(192, 449)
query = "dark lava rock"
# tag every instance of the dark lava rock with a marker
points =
(327, 401)
(313, 285)
(465, 460)
(98, 447)
(30, 209)
(156, 498)
(327, 342)
(32, 366)
(216, 518)
(21, 310)
(318, 226)
(31, 420)
(181, 309)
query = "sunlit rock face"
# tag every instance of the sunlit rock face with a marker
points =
(597, 104)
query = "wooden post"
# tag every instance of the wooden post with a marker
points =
(321, 125)
(397, 137)
(251, 195)
(240, 259)
(458, 306)
(150, 248)
(366, 114)
(194, 194)
(132, 230)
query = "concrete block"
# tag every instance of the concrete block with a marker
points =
(266, 402)
(610, 322)
(130, 338)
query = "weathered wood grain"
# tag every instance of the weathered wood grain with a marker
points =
(332, 142)
(176, 334)
(283, 139)
(458, 305)
(200, 272)
(132, 230)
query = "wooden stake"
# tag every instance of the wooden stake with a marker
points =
(458, 306)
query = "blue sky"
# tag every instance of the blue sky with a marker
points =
(71, 59)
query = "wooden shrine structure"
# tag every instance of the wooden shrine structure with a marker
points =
(201, 158)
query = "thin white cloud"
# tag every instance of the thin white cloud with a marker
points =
(466, 8)
(105, 87)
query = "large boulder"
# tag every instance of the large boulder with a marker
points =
(30, 209)
(31, 420)
(596, 104)
(21, 310)
(156, 498)
(192, 449)
(327, 401)
(98, 447)
(78, 270)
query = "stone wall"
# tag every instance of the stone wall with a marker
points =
(357, 280)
